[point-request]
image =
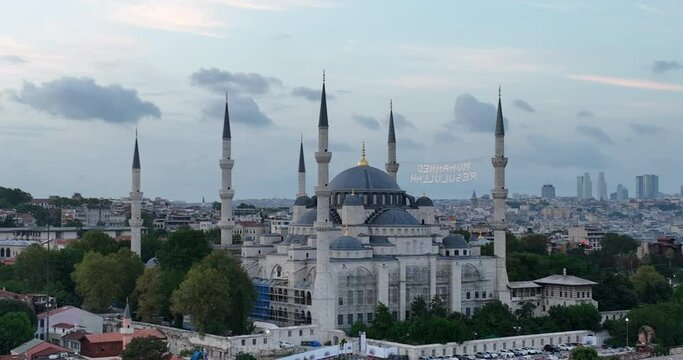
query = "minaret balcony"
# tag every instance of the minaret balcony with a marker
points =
(136, 195)
(226, 194)
(135, 222)
(499, 161)
(226, 164)
(323, 157)
(392, 167)
(499, 193)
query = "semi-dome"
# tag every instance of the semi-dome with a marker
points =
(455, 241)
(424, 201)
(307, 217)
(346, 243)
(295, 239)
(302, 201)
(353, 200)
(363, 178)
(395, 217)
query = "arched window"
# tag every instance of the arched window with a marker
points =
(308, 317)
(2, 252)
(448, 253)
(308, 299)
(341, 300)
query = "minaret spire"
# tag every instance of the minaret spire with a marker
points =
(391, 165)
(227, 223)
(499, 194)
(135, 221)
(302, 170)
(323, 288)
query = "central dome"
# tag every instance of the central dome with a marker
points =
(361, 178)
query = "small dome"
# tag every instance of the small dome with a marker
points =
(363, 178)
(394, 217)
(480, 241)
(307, 217)
(302, 201)
(353, 200)
(314, 202)
(424, 201)
(455, 241)
(346, 243)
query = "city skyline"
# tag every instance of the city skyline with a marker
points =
(442, 72)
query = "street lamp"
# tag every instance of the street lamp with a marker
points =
(626, 333)
(517, 329)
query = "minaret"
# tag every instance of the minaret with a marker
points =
(323, 289)
(226, 224)
(302, 170)
(135, 221)
(499, 194)
(126, 326)
(391, 165)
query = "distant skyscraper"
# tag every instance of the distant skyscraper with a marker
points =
(602, 187)
(622, 193)
(647, 187)
(579, 187)
(587, 186)
(548, 191)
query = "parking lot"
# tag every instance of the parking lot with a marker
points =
(549, 352)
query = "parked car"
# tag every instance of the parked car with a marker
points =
(482, 355)
(551, 348)
(532, 351)
(286, 344)
(505, 353)
(518, 352)
(492, 355)
(565, 347)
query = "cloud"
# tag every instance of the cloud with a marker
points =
(12, 59)
(629, 83)
(646, 129)
(661, 66)
(275, 5)
(557, 153)
(407, 143)
(83, 99)
(595, 133)
(473, 115)
(167, 17)
(220, 81)
(444, 136)
(367, 121)
(342, 147)
(523, 105)
(309, 94)
(243, 110)
(584, 113)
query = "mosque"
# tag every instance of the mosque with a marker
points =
(361, 240)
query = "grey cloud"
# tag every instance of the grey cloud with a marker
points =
(367, 121)
(661, 66)
(83, 99)
(12, 59)
(243, 110)
(556, 153)
(309, 94)
(444, 136)
(281, 36)
(407, 143)
(341, 147)
(595, 133)
(646, 129)
(584, 113)
(473, 115)
(220, 81)
(523, 105)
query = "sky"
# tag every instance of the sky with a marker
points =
(587, 86)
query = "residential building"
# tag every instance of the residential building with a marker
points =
(602, 187)
(67, 316)
(548, 191)
(647, 187)
(588, 235)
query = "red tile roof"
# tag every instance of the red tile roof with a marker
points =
(64, 326)
(116, 337)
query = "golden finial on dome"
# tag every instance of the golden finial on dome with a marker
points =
(346, 229)
(363, 161)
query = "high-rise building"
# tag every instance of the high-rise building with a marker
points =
(584, 187)
(602, 187)
(647, 186)
(622, 193)
(548, 191)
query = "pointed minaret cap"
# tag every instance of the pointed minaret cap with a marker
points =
(322, 121)
(302, 164)
(500, 128)
(392, 134)
(126, 313)
(226, 120)
(136, 153)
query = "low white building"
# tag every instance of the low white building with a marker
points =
(553, 290)
(67, 317)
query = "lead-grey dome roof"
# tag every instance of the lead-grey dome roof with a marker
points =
(302, 201)
(295, 239)
(353, 200)
(455, 241)
(346, 243)
(363, 178)
(307, 217)
(394, 217)
(424, 201)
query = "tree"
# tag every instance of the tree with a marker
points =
(494, 320)
(243, 356)
(463, 232)
(383, 322)
(74, 223)
(7, 222)
(146, 348)
(120, 271)
(614, 244)
(15, 329)
(526, 310)
(419, 308)
(96, 241)
(357, 328)
(12, 197)
(487, 249)
(151, 243)
(584, 353)
(150, 298)
(217, 294)
(575, 317)
(535, 243)
(182, 249)
(437, 308)
(650, 286)
(10, 305)
(615, 292)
